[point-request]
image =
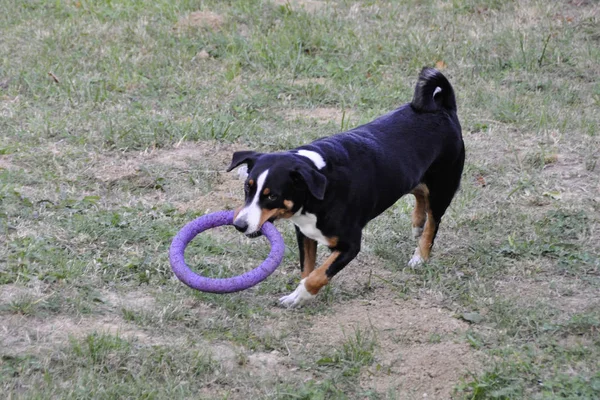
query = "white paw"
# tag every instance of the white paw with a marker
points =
(242, 172)
(417, 232)
(416, 259)
(298, 297)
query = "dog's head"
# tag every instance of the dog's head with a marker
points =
(277, 186)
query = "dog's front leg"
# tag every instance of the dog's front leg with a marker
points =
(308, 253)
(309, 287)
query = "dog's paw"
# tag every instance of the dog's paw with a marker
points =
(298, 297)
(416, 260)
(417, 232)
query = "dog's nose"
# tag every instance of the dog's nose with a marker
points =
(240, 225)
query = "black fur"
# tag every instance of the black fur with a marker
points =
(424, 99)
(370, 167)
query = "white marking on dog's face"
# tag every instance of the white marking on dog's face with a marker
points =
(437, 90)
(298, 297)
(314, 157)
(252, 212)
(307, 223)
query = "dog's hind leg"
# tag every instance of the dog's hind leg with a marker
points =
(419, 215)
(439, 196)
(437, 206)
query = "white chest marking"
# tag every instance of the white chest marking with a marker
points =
(307, 223)
(314, 157)
(252, 212)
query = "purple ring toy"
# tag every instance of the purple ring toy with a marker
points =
(225, 285)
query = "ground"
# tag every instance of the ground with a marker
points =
(117, 123)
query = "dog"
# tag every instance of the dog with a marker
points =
(331, 188)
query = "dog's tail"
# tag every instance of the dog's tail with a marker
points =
(433, 92)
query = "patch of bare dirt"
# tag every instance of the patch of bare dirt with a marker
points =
(219, 190)
(421, 370)
(112, 168)
(227, 194)
(6, 162)
(116, 169)
(21, 333)
(420, 349)
(571, 179)
(201, 19)
(202, 55)
(308, 81)
(185, 153)
(13, 292)
(319, 114)
(306, 5)
(570, 296)
(273, 363)
(134, 300)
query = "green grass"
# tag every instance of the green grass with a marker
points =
(355, 353)
(105, 366)
(101, 166)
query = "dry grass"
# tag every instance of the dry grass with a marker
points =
(101, 166)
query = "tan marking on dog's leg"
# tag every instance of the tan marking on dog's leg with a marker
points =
(426, 240)
(419, 214)
(318, 278)
(310, 257)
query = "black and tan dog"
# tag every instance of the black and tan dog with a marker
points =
(332, 187)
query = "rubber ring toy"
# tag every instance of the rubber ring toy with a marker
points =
(223, 285)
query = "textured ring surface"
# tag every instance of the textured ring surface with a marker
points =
(224, 285)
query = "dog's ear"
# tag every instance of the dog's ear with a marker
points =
(243, 157)
(314, 180)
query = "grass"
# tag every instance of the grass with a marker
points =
(104, 366)
(117, 121)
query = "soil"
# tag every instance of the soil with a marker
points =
(201, 19)
(319, 114)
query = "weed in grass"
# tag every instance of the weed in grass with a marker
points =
(25, 305)
(582, 324)
(112, 365)
(355, 353)
(29, 257)
(495, 384)
(311, 390)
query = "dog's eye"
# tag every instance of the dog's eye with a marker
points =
(246, 187)
(272, 197)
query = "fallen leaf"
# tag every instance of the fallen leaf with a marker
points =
(480, 180)
(555, 195)
(203, 55)
(472, 317)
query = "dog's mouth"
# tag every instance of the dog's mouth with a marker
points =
(254, 234)
(259, 233)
